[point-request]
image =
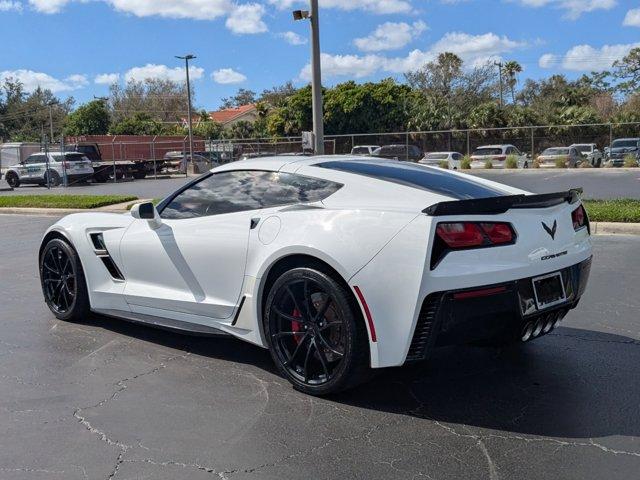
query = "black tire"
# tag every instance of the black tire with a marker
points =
(139, 175)
(12, 179)
(63, 282)
(54, 178)
(315, 333)
(526, 165)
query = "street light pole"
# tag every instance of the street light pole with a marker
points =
(186, 59)
(316, 74)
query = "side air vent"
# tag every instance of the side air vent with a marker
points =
(424, 332)
(114, 271)
(100, 249)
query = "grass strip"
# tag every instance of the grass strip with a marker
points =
(623, 210)
(63, 201)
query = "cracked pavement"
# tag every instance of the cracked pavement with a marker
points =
(106, 399)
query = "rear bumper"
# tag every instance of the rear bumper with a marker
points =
(483, 313)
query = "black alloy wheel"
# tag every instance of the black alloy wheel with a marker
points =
(315, 337)
(13, 180)
(63, 281)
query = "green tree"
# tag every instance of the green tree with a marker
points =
(242, 97)
(89, 119)
(627, 71)
(511, 69)
(138, 124)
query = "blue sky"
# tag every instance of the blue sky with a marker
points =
(78, 47)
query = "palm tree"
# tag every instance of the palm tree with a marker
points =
(511, 69)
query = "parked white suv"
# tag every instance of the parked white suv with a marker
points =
(33, 170)
(590, 152)
(497, 155)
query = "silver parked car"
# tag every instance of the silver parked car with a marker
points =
(434, 159)
(50, 169)
(569, 155)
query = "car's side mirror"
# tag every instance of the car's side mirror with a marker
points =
(147, 211)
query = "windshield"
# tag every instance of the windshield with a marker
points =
(437, 156)
(487, 151)
(556, 151)
(583, 148)
(633, 143)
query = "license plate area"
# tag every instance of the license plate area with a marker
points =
(549, 290)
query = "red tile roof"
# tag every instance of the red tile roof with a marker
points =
(229, 114)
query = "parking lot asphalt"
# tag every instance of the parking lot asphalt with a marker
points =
(600, 183)
(108, 399)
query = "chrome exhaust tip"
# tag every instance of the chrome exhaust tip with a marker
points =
(539, 326)
(550, 323)
(527, 332)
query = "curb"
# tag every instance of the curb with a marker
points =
(610, 228)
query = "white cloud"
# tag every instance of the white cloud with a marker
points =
(247, 19)
(632, 18)
(293, 38)
(106, 78)
(32, 80)
(227, 76)
(473, 49)
(162, 72)
(9, 5)
(241, 18)
(548, 60)
(585, 58)
(380, 7)
(573, 8)
(390, 36)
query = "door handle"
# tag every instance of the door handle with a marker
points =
(254, 223)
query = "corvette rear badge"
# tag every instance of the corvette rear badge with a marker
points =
(551, 231)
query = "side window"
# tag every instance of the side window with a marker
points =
(35, 159)
(237, 191)
(457, 156)
(511, 151)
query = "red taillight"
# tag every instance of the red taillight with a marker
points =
(579, 217)
(470, 234)
(460, 234)
(498, 232)
(500, 158)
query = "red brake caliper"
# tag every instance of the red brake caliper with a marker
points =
(296, 326)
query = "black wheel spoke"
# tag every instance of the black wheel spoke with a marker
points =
(323, 359)
(295, 302)
(326, 345)
(306, 362)
(289, 317)
(298, 348)
(328, 325)
(287, 334)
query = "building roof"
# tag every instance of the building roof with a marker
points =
(229, 114)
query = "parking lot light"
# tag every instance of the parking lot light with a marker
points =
(186, 59)
(316, 82)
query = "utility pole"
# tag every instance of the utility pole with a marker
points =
(316, 73)
(51, 121)
(186, 59)
(499, 65)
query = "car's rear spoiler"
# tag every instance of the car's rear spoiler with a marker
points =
(496, 205)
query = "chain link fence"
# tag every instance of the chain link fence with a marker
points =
(127, 158)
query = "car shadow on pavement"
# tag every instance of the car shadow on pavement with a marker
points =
(572, 383)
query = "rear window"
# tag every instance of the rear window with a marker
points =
(625, 143)
(583, 148)
(416, 176)
(359, 150)
(556, 151)
(487, 151)
(70, 157)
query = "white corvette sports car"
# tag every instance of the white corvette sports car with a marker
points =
(337, 265)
